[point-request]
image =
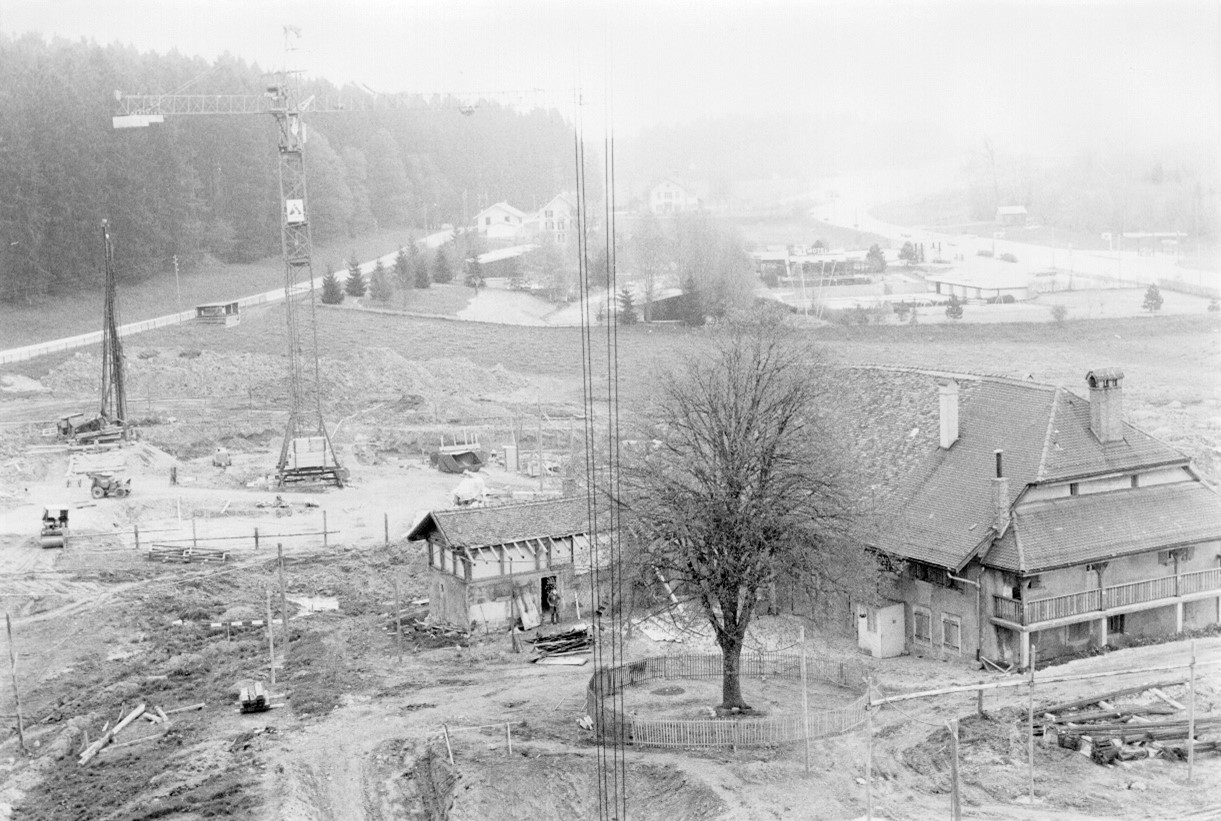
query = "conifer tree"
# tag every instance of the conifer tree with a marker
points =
(443, 271)
(380, 287)
(332, 292)
(355, 285)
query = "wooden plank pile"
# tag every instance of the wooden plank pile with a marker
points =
(572, 642)
(154, 715)
(186, 555)
(1112, 732)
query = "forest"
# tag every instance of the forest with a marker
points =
(207, 186)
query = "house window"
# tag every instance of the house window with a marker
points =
(1034, 583)
(1078, 632)
(922, 625)
(487, 220)
(1096, 567)
(1072, 489)
(1115, 624)
(507, 218)
(550, 225)
(561, 238)
(1168, 556)
(561, 224)
(1135, 480)
(547, 214)
(951, 633)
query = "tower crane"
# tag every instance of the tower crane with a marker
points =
(307, 454)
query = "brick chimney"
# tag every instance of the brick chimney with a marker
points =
(948, 395)
(1106, 404)
(1000, 497)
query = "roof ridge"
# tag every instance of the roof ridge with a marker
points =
(1051, 426)
(976, 375)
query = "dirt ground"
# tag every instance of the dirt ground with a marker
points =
(98, 629)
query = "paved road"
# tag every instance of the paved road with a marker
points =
(95, 337)
(853, 212)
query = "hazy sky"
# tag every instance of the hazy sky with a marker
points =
(1034, 76)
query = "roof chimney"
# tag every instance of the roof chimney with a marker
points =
(1000, 497)
(948, 394)
(1106, 404)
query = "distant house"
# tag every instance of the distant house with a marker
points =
(500, 222)
(669, 196)
(1011, 215)
(556, 219)
(1024, 517)
(494, 565)
(982, 286)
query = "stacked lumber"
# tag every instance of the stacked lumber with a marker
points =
(186, 555)
(1112, 732)
(569, 643)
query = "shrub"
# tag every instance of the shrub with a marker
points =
(983, 252)
(953, 309)
(1059, 313)
(1153, 299)
(1007, 257)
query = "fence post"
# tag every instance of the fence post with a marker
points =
(136, 530)
(448, 749)
(386, 527)
(324, 535)
(508, 739)
(256, 538)
(955, 798)
(194, 542)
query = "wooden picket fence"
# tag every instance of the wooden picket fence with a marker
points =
(723, 732)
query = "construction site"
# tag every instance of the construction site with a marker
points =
(336, 564)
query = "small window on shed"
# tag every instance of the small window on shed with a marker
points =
(1072, 489)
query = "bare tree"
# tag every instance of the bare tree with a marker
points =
(746, 486)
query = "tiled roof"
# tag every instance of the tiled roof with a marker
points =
(477, 526)
(943, 509)
(1096, 527)
(940, 508)
(1071, 449)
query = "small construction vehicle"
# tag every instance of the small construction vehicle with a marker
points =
(96, 431)
(54, 526)
(109, 484)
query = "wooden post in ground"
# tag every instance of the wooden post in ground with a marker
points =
(1030, 723)
(324, 533)
(12, 666)
(805, 698)
(540, 446)
(955, 798)
(869, 748)
(1191, 717)
(256, 538)
(283, 600)
(508, 739)
(271, 640)
(136, 531)
(448, 749)
(979, 702)
(386, 527)
(398, 619)
(194, 541)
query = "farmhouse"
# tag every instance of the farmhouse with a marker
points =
(1039, 519)
(500, 221)
(1011, 215)
(669, 196)
(494, 565)
(556, 219)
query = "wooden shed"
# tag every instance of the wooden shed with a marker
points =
(493, 566)
(218, 313)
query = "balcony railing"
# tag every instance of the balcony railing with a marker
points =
(1118, 595)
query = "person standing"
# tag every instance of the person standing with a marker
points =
(553, 601)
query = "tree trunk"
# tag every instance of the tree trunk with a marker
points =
(731, 686)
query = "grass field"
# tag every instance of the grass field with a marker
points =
(81, 312)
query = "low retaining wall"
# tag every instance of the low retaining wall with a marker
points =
(727, 732)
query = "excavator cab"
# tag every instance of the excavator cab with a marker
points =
(54, 526)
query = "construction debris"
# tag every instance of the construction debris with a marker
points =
(108, 736)
(571, 642)
(186, 555)
(253, 698)
(1124, 733)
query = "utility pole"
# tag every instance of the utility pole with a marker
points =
(178, 286)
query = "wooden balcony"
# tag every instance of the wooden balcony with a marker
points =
(1103, 599)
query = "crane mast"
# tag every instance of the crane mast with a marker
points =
(113, 410)
(306, 454)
